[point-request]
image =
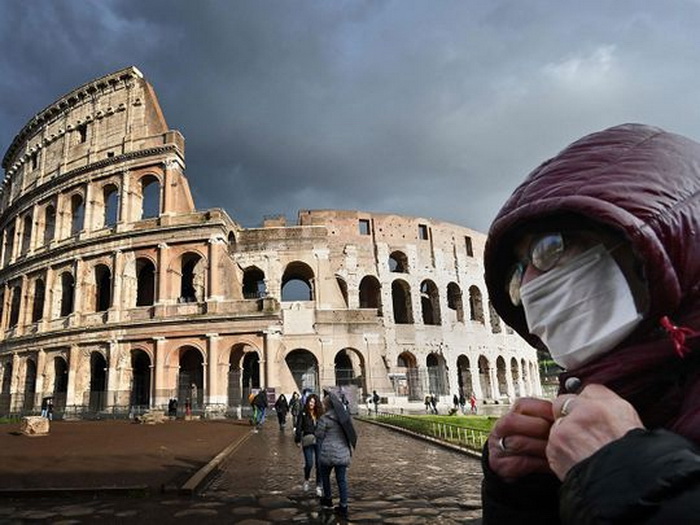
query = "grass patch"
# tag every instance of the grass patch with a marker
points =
(423, 424)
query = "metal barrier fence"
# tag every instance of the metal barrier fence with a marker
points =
(465, 437)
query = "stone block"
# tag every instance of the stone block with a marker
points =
(35, 426)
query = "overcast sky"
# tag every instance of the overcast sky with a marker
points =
(425, 108)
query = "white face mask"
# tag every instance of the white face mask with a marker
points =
(581, 309)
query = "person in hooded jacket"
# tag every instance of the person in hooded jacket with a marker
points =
(596, 258)
(282, 407)
(335, 454)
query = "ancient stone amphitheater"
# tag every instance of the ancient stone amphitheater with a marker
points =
(118, 294)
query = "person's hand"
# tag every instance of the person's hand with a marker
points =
(518, 440)
(585, 423)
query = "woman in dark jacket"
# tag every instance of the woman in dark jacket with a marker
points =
(282, 407)
(305, 437)
(596, 258)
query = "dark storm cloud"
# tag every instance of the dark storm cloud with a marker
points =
(420, 108)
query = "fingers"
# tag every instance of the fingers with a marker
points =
(563, 405)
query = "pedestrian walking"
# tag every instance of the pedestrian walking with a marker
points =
(337, 436)
(282, 407)
(375, 400)
(427, 404)
(462, 402)
(433, 403)
(294, 409)
(260, 404)
(305, 437)
(472, 403)
(455, 402)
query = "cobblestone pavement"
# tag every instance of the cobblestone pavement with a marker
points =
(394, 479)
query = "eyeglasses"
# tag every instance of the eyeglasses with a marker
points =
(544, 253)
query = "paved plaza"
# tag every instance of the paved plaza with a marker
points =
(394, 479)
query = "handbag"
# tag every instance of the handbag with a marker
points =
(307, 440)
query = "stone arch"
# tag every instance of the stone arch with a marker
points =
(298, 282)
(516, 378)
(9, 244)
(140, 378)
(407, 382)
(67, 293)
(38, 300)
(371, 293)
(501, 376)
(190, 381)
(60, 382)
(485, 376)
(30, 375)
(437, 374)
(26, 233)
(110, 205)
(476, 305)
(454, 301)
(192, 277)
(6, 389)
(398, 262)
(103, 287)
(254, 285)
(243, 374)
(349, 368)
(145, 282)
(464, 376)
(49, 224)
(401, 302)
(15, 304)
(430, 303)
(303, 366)
(98, 382)
(149, 197)
(343, 287)
(77, 213)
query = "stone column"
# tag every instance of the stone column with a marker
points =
(77, 292)
(216, 246)
(34, 234)
(124, 202)
(15, 395)
(47, 313)
(493, 379)
(161, 390)
(113, 371)
(73, 362)
(476, 379)
(214, 398)
(89, 210)
(115, 308)
(40, 372)
(162, 297)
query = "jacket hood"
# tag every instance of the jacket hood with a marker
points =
(639, 181)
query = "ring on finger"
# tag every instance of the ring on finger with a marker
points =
(565, 410)
(502, 444)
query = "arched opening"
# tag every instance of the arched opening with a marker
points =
(145, 282)
(430, 303)
(406, 381)
(150, 197)
(454, 302)
(5, 392)
(476, 305)
(29, 386)
(349, 369)
(398, 262)
(437, 374)
(39, 298)
(304, 369)
(401, 301)
(243, 374)
(297, 282)
(140, 379)
(485, 377)
(464, 376)
(98, 382)
(516, 378)
(49, 224)
(192, 278)
(103, 288)
(501, 375)
(371, 293)
(190, 386)
(16, 302)
(60, 383)
(77, 212)
(110, 198)
(254, 283)
(67, 292)
(26, 234)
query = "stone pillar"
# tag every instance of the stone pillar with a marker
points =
(40, 372)
(167, 202)
(510, 389)
(326, 364)
(124, 202)
(162, 297)
(112, 390)
(15, 395)
(161, 390)
(214, 398)
(24, 307)
(89, 210)
(73, 362)
(115, 308)
(476, 379)
(34, 234)
(216, 251)
(493, 379)
(78, 299)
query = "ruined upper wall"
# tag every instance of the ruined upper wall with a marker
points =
(109, 119)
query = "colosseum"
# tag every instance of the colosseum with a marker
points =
(119, 295)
